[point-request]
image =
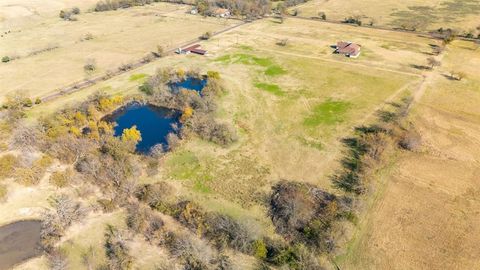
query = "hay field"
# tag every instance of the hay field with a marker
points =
(431, 14)
(426, 215)
(119, 37)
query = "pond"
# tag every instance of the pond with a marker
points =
(190, 83)
(154, 123)
(19, 241)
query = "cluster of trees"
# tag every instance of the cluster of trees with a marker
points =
(14, 107)
(68, 14)
(305, 214)
(106, 5)
(54, 223)
(247, 8)
(197, 110)
(368, 149)
(353, 20)
(219, 230)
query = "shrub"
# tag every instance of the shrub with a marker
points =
(8, 163)
(213, 75)
(75, 10)
(5, 59)
(225, 231)
(303, 212)
(155, 195)
(410, 140)
(206, 36)
(107, 205)
(116, 249)
(259, 249)
(90, 65)
(58, 260)
(62, 178)
(282, 42)
(322, 15)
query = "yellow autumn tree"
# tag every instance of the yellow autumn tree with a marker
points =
(75, 131)
(187, 113)
(80, 118)
(93, 130)
(105, 127)
(181, 73)
(131, 135)
(213, 75)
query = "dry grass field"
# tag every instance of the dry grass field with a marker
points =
(431, 14)
(118, 37)
(290, 106)
(426, 214)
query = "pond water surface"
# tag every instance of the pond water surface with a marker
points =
(189, 83)
(154, 123)
(19, 241)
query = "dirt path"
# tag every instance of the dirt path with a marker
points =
(429, 77)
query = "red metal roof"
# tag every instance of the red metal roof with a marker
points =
(348, 48)
(198, 51)
(191, 47)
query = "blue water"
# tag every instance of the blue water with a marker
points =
(190, 83)
(154, 123)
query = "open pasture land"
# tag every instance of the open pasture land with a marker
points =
(290, 106)
(428, 15)
(426, 215)
(109, 38)
(16, 13)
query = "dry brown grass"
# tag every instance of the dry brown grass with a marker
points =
(136, 32)
(431, 14)
(427, 214)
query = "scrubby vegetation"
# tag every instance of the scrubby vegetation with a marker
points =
(250, 8)
(106, 5)
(197, 110)
(367, 151)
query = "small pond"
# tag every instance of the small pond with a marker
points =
(154, 123)
(19, 241)
(189, 83)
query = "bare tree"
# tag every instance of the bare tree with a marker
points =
(432, 62)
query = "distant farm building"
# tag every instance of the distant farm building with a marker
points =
(348, 49)
(221, 12)
(192, 49)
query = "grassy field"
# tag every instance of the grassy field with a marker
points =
(426, 214)
(290, 105)
(431, 14)
(136, 32)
